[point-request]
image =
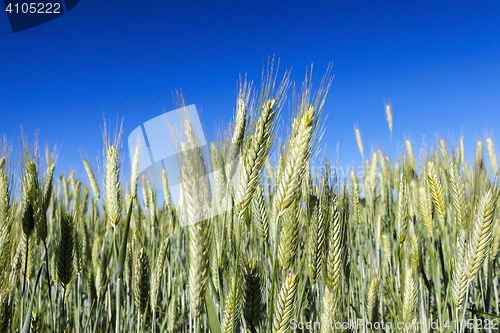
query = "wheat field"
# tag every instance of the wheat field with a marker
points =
(298, 246)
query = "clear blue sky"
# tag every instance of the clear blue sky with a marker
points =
(437, 62)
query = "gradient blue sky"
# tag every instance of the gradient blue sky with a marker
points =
(437, 62)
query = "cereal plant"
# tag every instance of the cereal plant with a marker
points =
(410, 244)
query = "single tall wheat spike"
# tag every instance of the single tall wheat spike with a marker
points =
(388, 115)
(113, 210)
(357, 132)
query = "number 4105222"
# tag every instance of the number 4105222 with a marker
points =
(34, 8)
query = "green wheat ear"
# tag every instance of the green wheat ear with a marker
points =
(157, 275)
(28, 196)
(436, 190)
(336, 245)
(425, 210)
(285, 304)
(329, 311)
(481, 236)
(254, 156)
(93, 181)
(65, 268)
(317, 237)
(373, 300)
(100, 260)
(359, 141)
(252, 297)
(403, 213)
(141, 279)
(4, 193)
(288, 244)
(198, 265)
(239, 127)
(259, 213)
(410, 297)
(299, 150)
(492, 155)
(113, 209)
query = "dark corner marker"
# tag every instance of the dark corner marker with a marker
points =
(26, 15)
(70, 4)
